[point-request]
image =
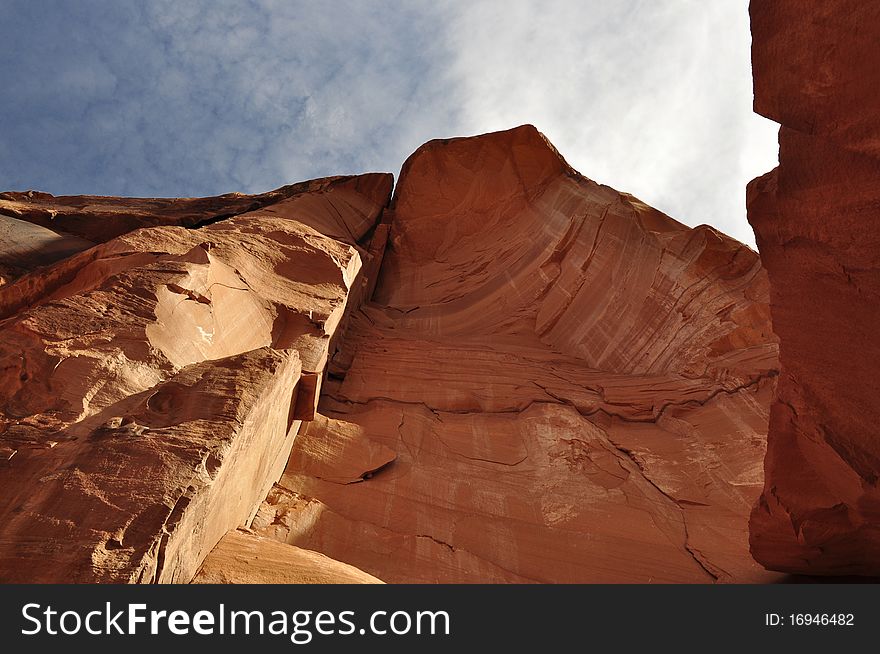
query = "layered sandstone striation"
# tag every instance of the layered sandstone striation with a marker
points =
(152, 385)
(817, 222)
(553, 383)
(510, 373)
(340, 205)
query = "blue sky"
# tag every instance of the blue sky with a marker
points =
(185, 98)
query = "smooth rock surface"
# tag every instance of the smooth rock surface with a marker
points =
(24, 247)
(817, 222)
(336, 206)
(511, 374)
(243, 558)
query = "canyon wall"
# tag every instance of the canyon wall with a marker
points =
(817, 222)
(553, 383)
(505, 373)
(152, 385)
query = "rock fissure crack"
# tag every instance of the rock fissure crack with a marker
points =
(697, 557)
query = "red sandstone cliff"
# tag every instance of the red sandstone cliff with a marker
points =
(553, 383)
(542, 380)
(817, 222)
(151, 386)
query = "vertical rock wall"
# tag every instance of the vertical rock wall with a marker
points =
(554, 383)
(817, 222)
(151, 386)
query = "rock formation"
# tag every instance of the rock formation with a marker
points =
(817, 222)
(152, 385)
(554, 383)
(509, 373)
(25, 246)
(243, 558)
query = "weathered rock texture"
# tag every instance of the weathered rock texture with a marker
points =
(151, 386)
(544, 380)
(817, 221)
(554, 383)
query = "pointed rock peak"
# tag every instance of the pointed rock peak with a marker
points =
(517, 159)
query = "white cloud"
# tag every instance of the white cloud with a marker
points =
(653, 98)
(192, 97)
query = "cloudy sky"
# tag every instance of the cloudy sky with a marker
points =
(192, 97)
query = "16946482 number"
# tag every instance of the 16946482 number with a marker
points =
(821, 619)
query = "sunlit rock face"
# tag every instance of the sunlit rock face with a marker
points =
(504, 373)
(244, 558)
(152, 385)
(553, 383)
(817, 222)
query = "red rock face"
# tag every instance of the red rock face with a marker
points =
(511, 374)
(151, 386)
(554, 383)
(25, 246)
(817, 222)
(100, 219)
